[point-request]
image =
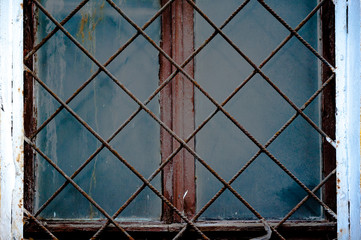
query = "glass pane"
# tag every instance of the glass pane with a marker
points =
(103, 105)
(259, 108)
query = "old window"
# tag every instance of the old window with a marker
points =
(147, 113)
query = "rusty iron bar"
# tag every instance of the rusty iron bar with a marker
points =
(248, 134)
(199, 128)
(119, 51)
(150, 113)
(299, 26)
(115, 153)
(65, 20)
(289, 28)
(133, 115)
(224, 111)
(115, 133)
(199, 159)
(40, 224)
(329, 140)
(170, 157)
(163, 125)
(146, 109)
(139, 103)
(306, 198)
(76, 186)
(214, 198)
(84, 165)
(190, 150)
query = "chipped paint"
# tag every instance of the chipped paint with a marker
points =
(347, 26)
(11, 119)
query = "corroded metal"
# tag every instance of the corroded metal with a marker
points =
(178, 138)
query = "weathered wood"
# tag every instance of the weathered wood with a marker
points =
(328, 104)
(11, 119)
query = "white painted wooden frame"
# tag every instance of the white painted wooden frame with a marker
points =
(11, 119)
(347, 118)
(347, 27)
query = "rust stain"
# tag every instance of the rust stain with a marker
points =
(20, 205)
(83, 22)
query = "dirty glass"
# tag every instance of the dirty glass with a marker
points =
(259, 108)
(103, 105)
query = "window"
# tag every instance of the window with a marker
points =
(219, 110)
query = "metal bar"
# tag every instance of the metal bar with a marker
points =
(140, 104)
(65, 20)
(117, 131)
(207, 95)
(247, 133)
(116, 154)
(289, 28)
(40, 224)
(214, 198)
(306, 198)
(266, 60)
(175, 136)
(85, 164)
(119, 51)
(169, 158)
(76, 186)
(139, 109)
(263, 75)
(214, 102)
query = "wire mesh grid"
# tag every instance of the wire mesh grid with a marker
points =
(183, 144)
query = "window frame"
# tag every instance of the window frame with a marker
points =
(347, 121)
(177, 111)
(173, 27)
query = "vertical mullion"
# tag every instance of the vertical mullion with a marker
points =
(166, 111)
(188, 111)
(177, 110)
(29, 108)
(328, 104)
(183, 109)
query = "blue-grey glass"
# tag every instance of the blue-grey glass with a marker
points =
(103, 105)
(259, 108)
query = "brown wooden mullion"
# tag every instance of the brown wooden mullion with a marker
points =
(29, 108)
(177, 110)
(328, 104)
(165, 112)
(183, 109)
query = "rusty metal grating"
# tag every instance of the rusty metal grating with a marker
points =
(183, 143)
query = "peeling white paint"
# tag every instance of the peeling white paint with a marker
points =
(11, 119)
(347, 26)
